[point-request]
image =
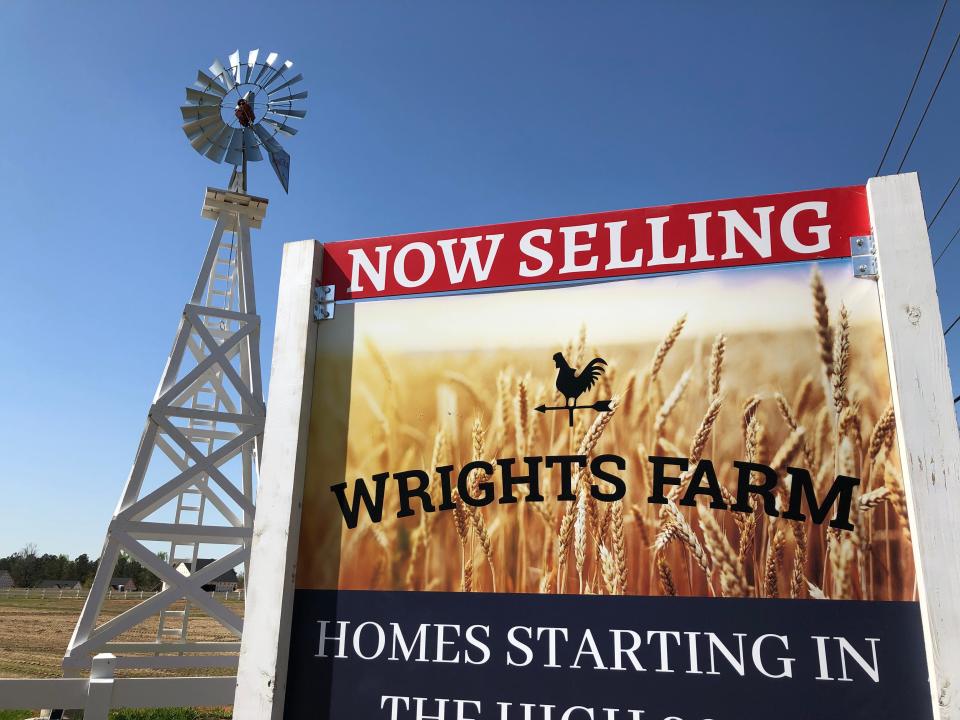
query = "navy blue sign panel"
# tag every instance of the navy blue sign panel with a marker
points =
(367, 655)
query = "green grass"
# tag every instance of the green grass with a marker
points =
(142, 714)
(171, 714)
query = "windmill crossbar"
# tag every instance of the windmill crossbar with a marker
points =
(186, 489)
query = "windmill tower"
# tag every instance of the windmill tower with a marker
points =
(186, 511)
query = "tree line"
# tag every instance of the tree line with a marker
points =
(28, 569)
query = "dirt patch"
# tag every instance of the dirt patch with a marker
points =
(34, 634)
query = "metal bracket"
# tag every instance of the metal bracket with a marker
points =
(323, 302)
(863, 255)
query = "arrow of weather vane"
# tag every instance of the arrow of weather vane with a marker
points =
(599, 406)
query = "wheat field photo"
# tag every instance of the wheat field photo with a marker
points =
(783, 366)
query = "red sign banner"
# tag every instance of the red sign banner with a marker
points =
(789, 227)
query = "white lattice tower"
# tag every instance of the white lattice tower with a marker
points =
(192, 479)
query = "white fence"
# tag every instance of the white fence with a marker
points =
(58, 594)
(102, 691)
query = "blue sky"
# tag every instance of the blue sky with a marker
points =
(422, 115)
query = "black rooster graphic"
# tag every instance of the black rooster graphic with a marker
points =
(572, 385)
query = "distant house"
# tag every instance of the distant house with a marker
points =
(225, 582)
(5, 580)
(60, 585)
(123, 584)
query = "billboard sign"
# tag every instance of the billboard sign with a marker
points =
(630, 465)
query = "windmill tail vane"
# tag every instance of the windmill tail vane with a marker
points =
(235, 112)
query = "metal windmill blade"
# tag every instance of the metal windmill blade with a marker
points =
(235, 111)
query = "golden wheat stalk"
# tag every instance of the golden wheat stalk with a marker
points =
(619, 546)
(665, 535)
(381, 362)
(841, 555)
(882, 432)
(700, 438)
(439, 454)
(593, 434)
(629, 388)
(663, 348)
(732, 581)
(477, 398)
(685, 534)
(586, 448)
(533, 433)
(774, 564)
(479, 525)
(546, 581)
(460, 523)
(697, 444)
(821, 315)
(753, 439)
(716, 366)
(504, 383)
(749, 412)
(665, 577)
(668, 447)
(875, 498)
(673, 399)
(563, 540)
(804, 396)
(787, 413)
(822, 441)
(417, 543)
(815, 592)
(581, 346)
(580, 534)
(849, 424)
(797, 579)
(522, 413)
(420, 538)
(788, 451)
(748, 532)
(898, 498)
(605, 383)
(608, 568)
(841, 362)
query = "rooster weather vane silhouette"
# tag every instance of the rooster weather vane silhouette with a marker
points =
(572, 385)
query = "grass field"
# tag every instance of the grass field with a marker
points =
(34, 634)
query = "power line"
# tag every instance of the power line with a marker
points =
(949, 194)
(946, 247)
(957, 398)
(951, 325)
(913, 87)
(929, 102)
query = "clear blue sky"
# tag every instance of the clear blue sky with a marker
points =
(422, 115)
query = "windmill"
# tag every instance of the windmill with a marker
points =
(191, 485)
(233, 112)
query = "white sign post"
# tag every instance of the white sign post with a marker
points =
(926, 423)
(928, 443)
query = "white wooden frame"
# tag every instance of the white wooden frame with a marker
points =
(261, 676)
(219, 325)
(926, 424)
(928, 438)
(102, 691)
